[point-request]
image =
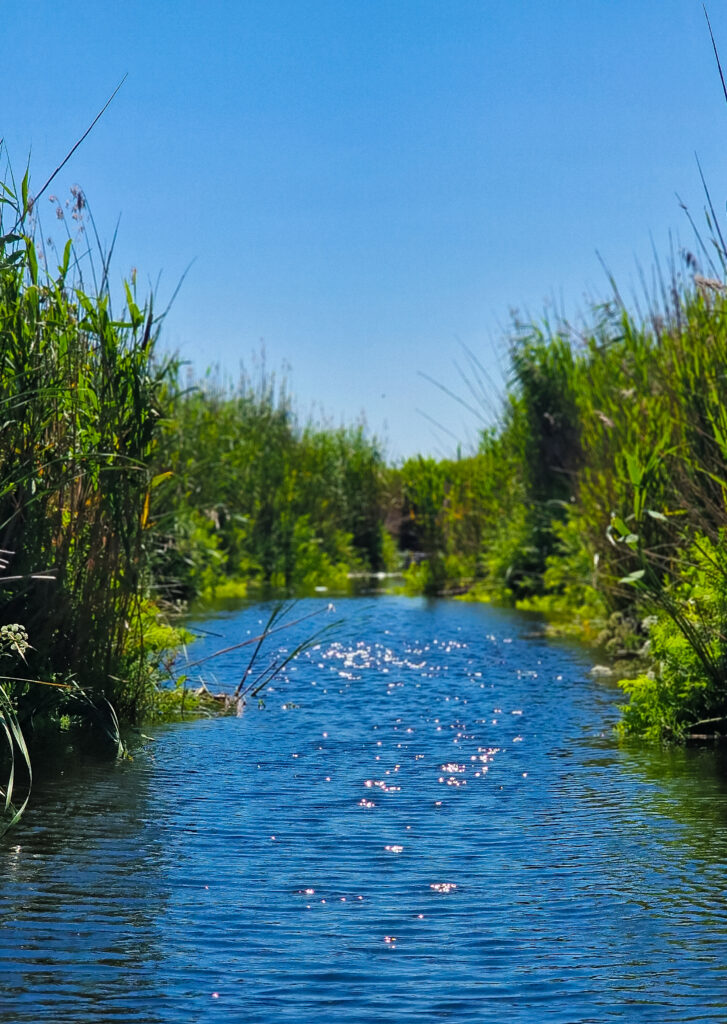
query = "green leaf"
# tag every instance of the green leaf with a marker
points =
(24, 190)
(156, 480)
(635, 468)
(633, 577)
(137, 317)
(86, 303)
(14, 257)
(618, 524)
(32, 262)
(66, 258)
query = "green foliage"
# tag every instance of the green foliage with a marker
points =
(617, 440)
(13, 644)
(441, 520)
(542, 419)
(687, 689)
(81, 397)
(390, 556)
(570, 596)
(250, 494)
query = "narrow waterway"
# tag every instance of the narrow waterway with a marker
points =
(429, 820)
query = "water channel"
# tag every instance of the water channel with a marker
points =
(429, 819)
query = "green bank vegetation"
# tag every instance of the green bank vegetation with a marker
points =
(80, 407)
(602, 499)
(82, 396)
(252, 499)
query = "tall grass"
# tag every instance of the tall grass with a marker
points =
(80, 406)
(601, 495)
(617, 439)
(253, 494)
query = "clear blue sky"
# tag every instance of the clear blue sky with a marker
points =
(369, 185)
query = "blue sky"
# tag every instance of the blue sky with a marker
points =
(369, 187)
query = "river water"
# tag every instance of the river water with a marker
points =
(429, 820)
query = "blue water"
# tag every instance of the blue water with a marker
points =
(428, 820)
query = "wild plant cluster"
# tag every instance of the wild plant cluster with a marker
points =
(80, 404)
(602, 497)
(254, 499)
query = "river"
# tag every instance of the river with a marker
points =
(430, 819)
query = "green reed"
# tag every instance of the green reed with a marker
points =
(254, 494)
(80, 405)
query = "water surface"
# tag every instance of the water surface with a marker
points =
(428, 820)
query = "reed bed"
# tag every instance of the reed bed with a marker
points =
(255, 495)
(80, 408)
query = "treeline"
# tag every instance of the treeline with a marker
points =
(252, 499)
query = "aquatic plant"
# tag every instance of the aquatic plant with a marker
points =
(81, 399)
(260, 669)
(13, 644)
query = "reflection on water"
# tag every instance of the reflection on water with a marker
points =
(82, 892)
(428, 820)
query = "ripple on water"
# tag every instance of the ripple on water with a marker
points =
(424, 822)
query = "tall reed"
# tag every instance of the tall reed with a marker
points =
(80, 405)
(254, 494)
